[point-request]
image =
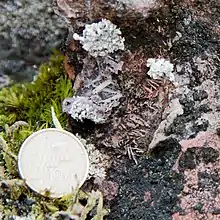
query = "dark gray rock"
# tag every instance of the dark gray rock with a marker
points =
(28, 31)
(4, 80)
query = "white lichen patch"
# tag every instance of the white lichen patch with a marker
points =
(81, 108)
(98, 95)
(160, 69)
(101, 39)
(98, 161)
(92, 108)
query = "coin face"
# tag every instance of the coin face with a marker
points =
(53, 160)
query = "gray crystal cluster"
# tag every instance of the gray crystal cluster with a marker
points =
(101, 39)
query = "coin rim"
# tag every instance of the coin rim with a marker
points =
(43, 131)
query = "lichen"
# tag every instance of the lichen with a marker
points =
(160, 68)
(99, 162)
(101, 39)
(99, 93)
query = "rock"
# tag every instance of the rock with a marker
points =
(4, 80)
(174, 110)
(78, 13)
(28, 32)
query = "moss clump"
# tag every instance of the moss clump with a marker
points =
(31, 102)
(24, 109)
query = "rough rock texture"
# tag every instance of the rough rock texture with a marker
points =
(164, 139)
(150, 189)
(4, 80)
(28, 32)
(78, 13)
(178, 125)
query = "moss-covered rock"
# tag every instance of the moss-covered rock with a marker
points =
(24, 109)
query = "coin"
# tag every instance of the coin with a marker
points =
(53, 160)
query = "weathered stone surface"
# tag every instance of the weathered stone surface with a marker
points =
(28, 32)
(4, 80)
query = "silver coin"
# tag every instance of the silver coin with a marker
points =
(53, 160)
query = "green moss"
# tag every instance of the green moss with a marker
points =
(31, 102)
(11, 140)
(24, 109)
